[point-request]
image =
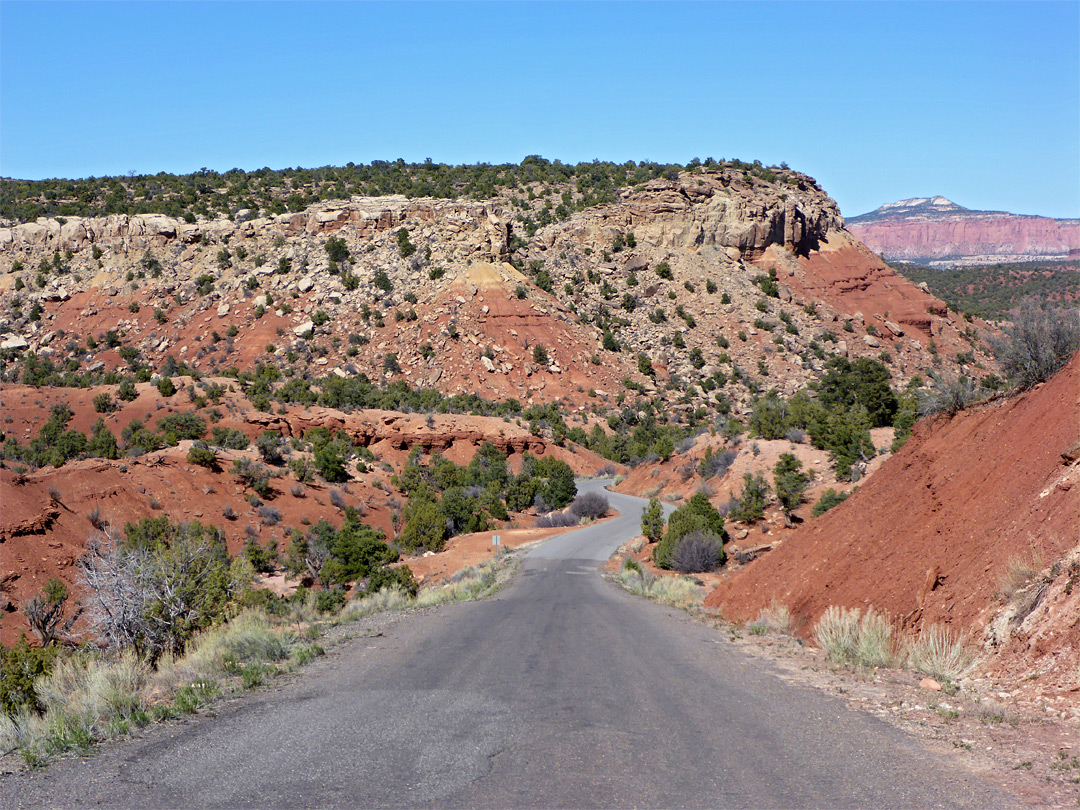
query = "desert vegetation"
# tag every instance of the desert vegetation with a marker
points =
(163, 663)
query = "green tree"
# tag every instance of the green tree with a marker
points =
(330, 462)
(356, 551)
(103, 403)
(750, 505)
(177, 426)
(790, 481)
(769, 417)
(644, 364)
(271, 447)
(425, 524)
(102, 442)
(557, 486)
(864, 382)
(158, 586)
(652, 520)
(126, 391)
(336, 249)
(405, 247)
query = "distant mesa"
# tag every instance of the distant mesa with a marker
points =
(938, 232)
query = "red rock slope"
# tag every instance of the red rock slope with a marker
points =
(930, 536)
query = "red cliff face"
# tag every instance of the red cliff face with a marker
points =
(938, 230)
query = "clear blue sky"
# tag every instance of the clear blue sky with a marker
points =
(979, 102)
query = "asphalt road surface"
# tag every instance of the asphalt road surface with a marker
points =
(560, 691)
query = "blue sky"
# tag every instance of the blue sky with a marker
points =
(979, 102)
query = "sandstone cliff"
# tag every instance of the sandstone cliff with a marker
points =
(937, 231)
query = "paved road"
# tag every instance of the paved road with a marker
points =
(561, 691)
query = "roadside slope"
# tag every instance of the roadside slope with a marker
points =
(931, 535)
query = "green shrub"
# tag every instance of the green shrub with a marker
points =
(271, 447)
(769, 417)
(229, 438)
(336, 249)
(697, 552)
(202, 455)
(263, 560)
(330, 601)
(829, 498)
(405, 247)
(330, 462)
(177, 426)
(103, 403)
(387, 577)
(20, 666)
(696, 515)
(425, 524)
(644, 364)
(126, 391)
(652, 521)
(864, 382)
(165, 387)
(253, 474)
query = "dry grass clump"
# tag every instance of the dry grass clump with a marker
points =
(391, 598)
(939, 653)
(90, 697)
(850, 636)
(776, 618)
(1019, 571)
(681, 592)
(249, 638)
(86, 699)
(466, 585)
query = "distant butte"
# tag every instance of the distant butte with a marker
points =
(938, 232)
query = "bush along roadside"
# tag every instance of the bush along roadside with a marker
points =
(56, 701)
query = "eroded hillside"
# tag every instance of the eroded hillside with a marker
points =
(459, 295)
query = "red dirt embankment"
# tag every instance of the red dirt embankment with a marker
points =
(930, 536)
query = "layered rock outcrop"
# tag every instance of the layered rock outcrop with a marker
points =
(366, 216)
(727, 209)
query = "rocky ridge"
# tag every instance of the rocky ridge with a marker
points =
(672, 270)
